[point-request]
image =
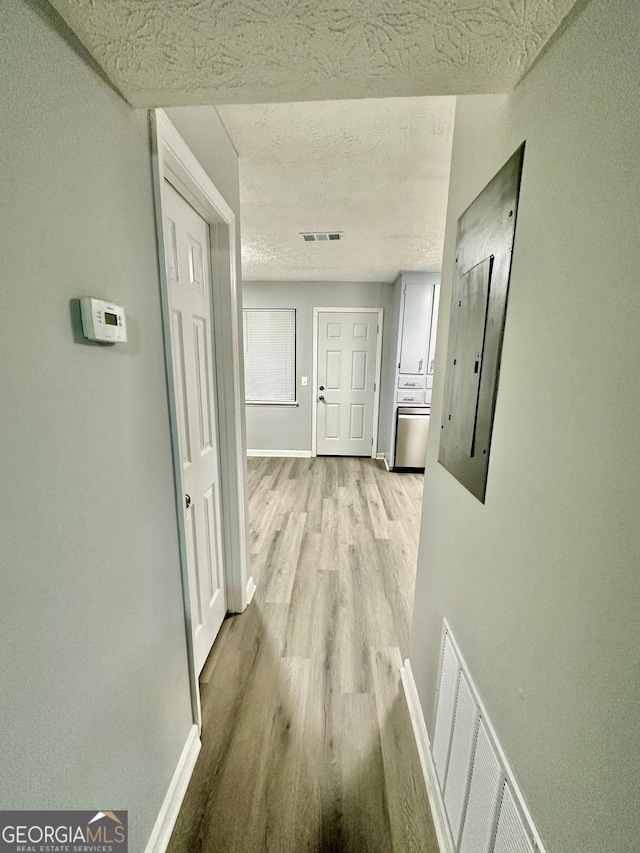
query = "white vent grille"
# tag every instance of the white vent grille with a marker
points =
(486, 786)
(446, 705)
(462, 745)
(481, 801)
(511, 835)
(321, 236)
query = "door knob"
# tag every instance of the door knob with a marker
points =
(187, 501)
(321, 398)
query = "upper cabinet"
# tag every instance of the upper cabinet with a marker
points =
(415, 329)
(434, 325)
(419, 300)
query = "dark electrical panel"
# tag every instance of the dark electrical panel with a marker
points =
(478, 308)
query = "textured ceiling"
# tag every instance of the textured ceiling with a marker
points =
(377, 170)
(171, 52)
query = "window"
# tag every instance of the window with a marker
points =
(270, 355)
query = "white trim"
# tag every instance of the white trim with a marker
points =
(299, 454)
(377, 381)
(174, 162)
(314, 380)
(166, 820)
(383, 456)
(438, 813)
(178, 164)
(251, 589)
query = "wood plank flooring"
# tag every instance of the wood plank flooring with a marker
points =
(307, 742)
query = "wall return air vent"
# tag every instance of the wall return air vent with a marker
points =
(320, 236)
(482, 802)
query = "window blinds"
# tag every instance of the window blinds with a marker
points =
(270, 355)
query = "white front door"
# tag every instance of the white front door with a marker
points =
(186, 236)
(347, 358)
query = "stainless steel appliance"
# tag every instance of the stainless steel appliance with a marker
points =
(412, 431)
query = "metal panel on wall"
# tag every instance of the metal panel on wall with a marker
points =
(479, 301)
(468, 323)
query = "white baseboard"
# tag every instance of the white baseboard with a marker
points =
(440, 822)
(166, 820)
(383, 456)
(251, 588)
(298, 454)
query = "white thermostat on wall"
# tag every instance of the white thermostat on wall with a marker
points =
(102, 321)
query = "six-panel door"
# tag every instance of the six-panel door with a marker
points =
(346, 358)
(189, 284)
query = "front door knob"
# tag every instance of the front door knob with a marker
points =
(321, 398)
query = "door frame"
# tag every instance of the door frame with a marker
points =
(173, 161)
(376, 391)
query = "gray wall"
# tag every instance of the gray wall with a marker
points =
(278, 428)
(541, 585)
(94, 699)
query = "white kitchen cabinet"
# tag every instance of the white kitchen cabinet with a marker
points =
(411, 381)
(432, 337)
(410, 397)
(416, 328)
(416, 310)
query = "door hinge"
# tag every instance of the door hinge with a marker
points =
(375, 386)
(371, 442)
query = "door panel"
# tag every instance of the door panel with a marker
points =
(188, 276)
(202, 382)
(346, 358)
(359, 371)
(192, 557)
(357, 422)
(332, 421)
(334, 370)
(196, 272)
(177, 343)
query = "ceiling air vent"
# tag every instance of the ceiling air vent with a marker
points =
(320, 236)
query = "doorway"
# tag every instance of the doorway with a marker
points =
(204, 386)
(347, 350)
(188, 268)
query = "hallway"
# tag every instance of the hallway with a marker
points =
(307, 742)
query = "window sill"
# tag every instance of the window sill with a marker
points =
(292, 405)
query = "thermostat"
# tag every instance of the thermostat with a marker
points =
(102, 321)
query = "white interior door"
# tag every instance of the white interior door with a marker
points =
(186, 237)
(347, 355)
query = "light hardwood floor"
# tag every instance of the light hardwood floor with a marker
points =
(307, 742)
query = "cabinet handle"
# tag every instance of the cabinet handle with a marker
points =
(420, 365)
